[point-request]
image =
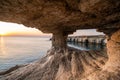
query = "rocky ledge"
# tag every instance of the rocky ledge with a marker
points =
(61, 65)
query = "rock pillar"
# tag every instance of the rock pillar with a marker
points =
(59, 40)
(113, 51)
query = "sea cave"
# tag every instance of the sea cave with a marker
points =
(61, 18)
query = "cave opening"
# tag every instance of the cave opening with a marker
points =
(108, 62)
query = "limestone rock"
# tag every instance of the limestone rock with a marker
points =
(72, 65)
(65, 15)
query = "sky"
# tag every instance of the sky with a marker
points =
(13, 29)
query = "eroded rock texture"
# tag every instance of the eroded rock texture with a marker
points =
(63, 17)
(111, 69)
(71, 65)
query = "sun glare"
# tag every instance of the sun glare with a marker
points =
(3, 33)
(7, 29)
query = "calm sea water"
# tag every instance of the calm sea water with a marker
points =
(83, 46)
(21, 50)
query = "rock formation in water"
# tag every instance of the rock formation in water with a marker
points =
(63, 17)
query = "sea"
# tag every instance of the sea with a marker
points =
(24, 50)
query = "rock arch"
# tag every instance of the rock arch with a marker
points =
(63, 17)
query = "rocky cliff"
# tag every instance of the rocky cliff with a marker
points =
(63, 17)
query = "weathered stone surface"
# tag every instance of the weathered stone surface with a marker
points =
(113, 46)
(67, 15)
(61, 66)
(111, 69)
(59, 40)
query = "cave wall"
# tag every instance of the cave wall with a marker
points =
(65, 15)
(113, 51)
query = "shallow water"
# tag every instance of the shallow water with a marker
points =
(83, 46)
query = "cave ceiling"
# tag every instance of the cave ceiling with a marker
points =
(51, 16)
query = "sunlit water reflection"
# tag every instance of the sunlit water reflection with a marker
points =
(2, 47)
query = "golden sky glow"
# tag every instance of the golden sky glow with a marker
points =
(12, 29)
(17, 29)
